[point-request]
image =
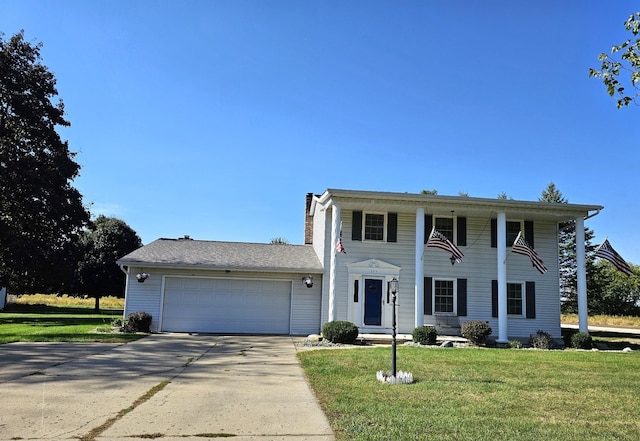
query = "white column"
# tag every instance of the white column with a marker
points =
(581, 275)
(419, 286)
(335, 234)
(502, 278)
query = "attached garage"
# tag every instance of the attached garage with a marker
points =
(196, 304)
(225, 287)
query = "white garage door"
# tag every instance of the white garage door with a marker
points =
(226, 306)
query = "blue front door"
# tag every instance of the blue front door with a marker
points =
(372, 302)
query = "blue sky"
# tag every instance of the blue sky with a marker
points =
(215, 118)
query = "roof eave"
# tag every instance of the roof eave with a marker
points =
(191, 266)
(559, 210)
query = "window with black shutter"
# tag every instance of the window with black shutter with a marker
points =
(356, 226)
(428, 292)
(520, 296)
(453, 228)
(374, 226)
(462, 297)
(512, 230)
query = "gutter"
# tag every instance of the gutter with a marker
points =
(589, 216)
(187, 266)
(412, 199)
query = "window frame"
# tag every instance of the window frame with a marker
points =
(454, 294)
(384, 226)
(523, 299)
(511, 240)
(454, 227)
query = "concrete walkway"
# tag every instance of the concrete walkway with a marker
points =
(609, 329)
(251, 388)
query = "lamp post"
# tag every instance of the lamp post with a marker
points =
(393, 287)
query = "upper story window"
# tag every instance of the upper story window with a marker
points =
(513, 228)
(374, 226)
(454, 228)
(445, 226)
(378, 227)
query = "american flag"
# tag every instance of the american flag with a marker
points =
(606, 251)
(339, 246)
(520, 246)
(439, 240)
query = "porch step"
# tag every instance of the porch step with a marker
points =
(385, 339)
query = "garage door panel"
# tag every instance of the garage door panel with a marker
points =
(226, 306)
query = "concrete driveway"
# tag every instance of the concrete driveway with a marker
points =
(165, 386)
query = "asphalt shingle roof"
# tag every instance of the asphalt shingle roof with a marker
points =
(225, 255)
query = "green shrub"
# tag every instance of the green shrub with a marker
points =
(540, 340)
(515, 344)
(476, 331)
(340, 331)
(425, 335)
(581, 340)
(138, 322)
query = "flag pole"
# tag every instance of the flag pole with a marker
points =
(429, 237)
(600, 246)
(511, 250)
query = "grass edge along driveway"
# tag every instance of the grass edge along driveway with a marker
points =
(39, 323)
(478, 394)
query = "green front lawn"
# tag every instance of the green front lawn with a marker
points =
(478, 394)
(56, 324)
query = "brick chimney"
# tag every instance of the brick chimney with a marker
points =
(308, 220)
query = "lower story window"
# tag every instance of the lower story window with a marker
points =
(514, 298)
(443, 296)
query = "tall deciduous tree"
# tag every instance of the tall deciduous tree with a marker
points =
(41, 213)
(619, 293)
(619, 74)
(101, 245)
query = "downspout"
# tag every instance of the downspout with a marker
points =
(126, 288)
(589, 216)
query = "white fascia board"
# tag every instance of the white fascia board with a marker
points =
(315, 200)
(220, 268)
(460, 202)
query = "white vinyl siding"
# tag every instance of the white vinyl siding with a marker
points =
(478, 267)
(400, 253)
(144, 297)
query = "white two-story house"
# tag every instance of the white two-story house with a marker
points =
(209, 286)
